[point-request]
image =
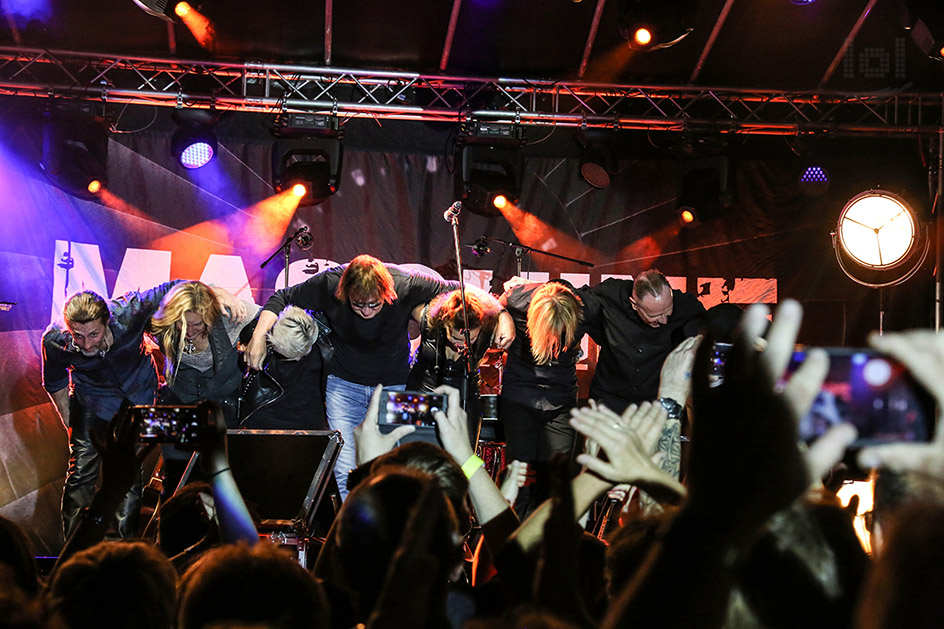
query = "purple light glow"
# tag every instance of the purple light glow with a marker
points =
(815, 174)
(196, 155)
(29, 9)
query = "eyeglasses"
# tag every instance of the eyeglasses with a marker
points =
(360, 306)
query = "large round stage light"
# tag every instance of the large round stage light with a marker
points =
(877, 229)
(879, 240)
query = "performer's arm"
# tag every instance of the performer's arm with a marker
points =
(60, 399)
(309, 294)
(256, 349)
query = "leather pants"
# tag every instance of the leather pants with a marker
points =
(82, 476)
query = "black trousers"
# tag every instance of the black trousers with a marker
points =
(82, 475)
(532, 436)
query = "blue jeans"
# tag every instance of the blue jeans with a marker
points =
(346, 404)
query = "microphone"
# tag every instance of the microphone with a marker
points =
(304, 240)
(301, 229)
(452, 212)
(480, 247)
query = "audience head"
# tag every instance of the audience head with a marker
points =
(652, 298)
(293, 334)
(366, 285)
(433, 460)
(185, 519)
(115, 584)
(16, 558)
(902, 586)
(809, 553)
(250, 586)
(893, 491)
(553, 316)
(367, 533)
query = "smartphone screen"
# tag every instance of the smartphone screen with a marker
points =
(168, 424)
(871, 391)
(411, 408)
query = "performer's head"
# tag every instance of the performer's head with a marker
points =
(86, 317)
(445, 311)
(553, 317)
(366, 285)
(652, 298)
(293, 334)
(187, 312)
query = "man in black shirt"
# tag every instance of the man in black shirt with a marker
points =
(638, 324)
(368, 305)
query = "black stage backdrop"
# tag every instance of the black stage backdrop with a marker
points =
(157, 222)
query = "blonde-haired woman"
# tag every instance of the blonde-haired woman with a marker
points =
(539, 384)
(199, 345)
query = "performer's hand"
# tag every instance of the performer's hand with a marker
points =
(231, 306)
(517, 280)
(504, 331)
(369, 442)
(255, 353)
(454, 426)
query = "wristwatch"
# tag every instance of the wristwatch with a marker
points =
(673, 408)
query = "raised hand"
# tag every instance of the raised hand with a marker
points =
(629, 443)
(368, 440)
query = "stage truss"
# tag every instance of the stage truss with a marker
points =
(275, 88)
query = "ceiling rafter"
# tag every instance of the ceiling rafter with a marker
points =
(256, 87)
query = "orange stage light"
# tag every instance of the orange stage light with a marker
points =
(299, 190)
(642, 36)
(532, 231)
(254, 231)
(687, 216)
(500, 201)
(198, 24)
(94, 186)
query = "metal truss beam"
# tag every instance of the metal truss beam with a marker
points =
(274, 88)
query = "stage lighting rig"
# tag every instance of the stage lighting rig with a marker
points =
(308, 156)
(75, 152)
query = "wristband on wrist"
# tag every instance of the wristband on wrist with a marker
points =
(217, 472)
(472, 465)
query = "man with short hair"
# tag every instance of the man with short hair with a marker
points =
(368, 305)
(93, 359)
(639, 323)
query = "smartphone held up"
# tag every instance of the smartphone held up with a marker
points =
(863, 387)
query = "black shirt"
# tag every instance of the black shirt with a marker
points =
(545, 387)
(366, 351)
(631, 351)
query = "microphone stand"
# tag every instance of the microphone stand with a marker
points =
(521, 249)
(454, 222)
(286, 248)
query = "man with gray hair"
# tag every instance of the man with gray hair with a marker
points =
(286, 394)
